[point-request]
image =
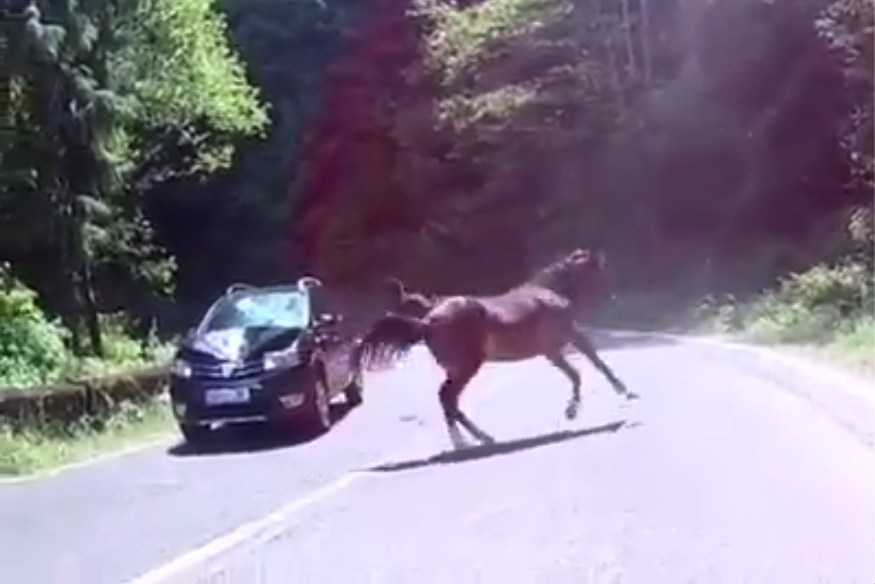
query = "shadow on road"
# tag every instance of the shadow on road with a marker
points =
(255, 438)
(500, 448)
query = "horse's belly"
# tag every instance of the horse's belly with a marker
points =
(509, 348)
(527, 339)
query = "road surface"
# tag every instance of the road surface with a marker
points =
(716, 475)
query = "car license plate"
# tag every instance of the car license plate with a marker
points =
(231, 395)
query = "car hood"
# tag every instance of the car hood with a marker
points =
(238, 344)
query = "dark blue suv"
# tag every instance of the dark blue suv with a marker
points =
(261, 354)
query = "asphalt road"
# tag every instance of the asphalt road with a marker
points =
(716, 475)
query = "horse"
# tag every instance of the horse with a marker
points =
(535, 318)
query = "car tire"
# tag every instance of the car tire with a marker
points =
(196, 434)
(353, 392)
(317, 415)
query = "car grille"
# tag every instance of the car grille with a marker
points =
(210, 369)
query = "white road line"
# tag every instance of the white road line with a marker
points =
(248, 531)
(46, 474)
(270, 526)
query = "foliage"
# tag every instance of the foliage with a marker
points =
(289, 46)
(110, 99)
(462, 38)
(849, 27)
(32, 347)
(185, 83)
(813, 306)
(665, 133)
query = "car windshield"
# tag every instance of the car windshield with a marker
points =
(284, 309)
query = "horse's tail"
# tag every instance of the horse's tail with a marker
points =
(389, 339)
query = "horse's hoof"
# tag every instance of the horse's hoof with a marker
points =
(571, 412)
(631, 395)
(488, 440)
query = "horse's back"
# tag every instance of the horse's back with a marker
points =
(526, 322)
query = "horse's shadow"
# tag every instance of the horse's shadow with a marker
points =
(500, 448)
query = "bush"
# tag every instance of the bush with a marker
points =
(121, 351)
(32, 349)
(846, 288)
(817, 305)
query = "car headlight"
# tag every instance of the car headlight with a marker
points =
(282, 359)
(180, 368)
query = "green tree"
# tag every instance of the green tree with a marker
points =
(118, 96)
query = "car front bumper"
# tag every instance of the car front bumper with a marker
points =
(271, 395)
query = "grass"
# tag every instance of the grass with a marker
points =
(852, 347)
(37, 449)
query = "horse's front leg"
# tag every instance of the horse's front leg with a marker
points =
(562, 364)
(583, 344)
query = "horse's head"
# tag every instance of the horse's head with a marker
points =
(580, 276)
(407, 303)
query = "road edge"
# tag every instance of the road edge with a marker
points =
(844, 397)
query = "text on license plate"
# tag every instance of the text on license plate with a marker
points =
(231, 395)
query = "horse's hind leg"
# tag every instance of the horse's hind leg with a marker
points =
(562, 364)
(583, 344)
(449, 402)
(450, 391)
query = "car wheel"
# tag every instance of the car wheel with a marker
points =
(196, 434)
(318, 412)
(354, 391)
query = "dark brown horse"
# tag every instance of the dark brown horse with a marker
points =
(533, 319)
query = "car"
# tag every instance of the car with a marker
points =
(262, 355)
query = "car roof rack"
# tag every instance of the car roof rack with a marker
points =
(237, 287)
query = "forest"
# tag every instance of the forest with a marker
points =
(155, 151)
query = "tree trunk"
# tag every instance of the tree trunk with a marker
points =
(72, 308)
(616, 81)
(646, 40)
(630, 45)
(85, 284)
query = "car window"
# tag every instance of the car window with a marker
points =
(286, 309)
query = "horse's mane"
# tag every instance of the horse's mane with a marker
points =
(563, 275)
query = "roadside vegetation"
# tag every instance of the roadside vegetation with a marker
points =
(41, 447)
(826, 312)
